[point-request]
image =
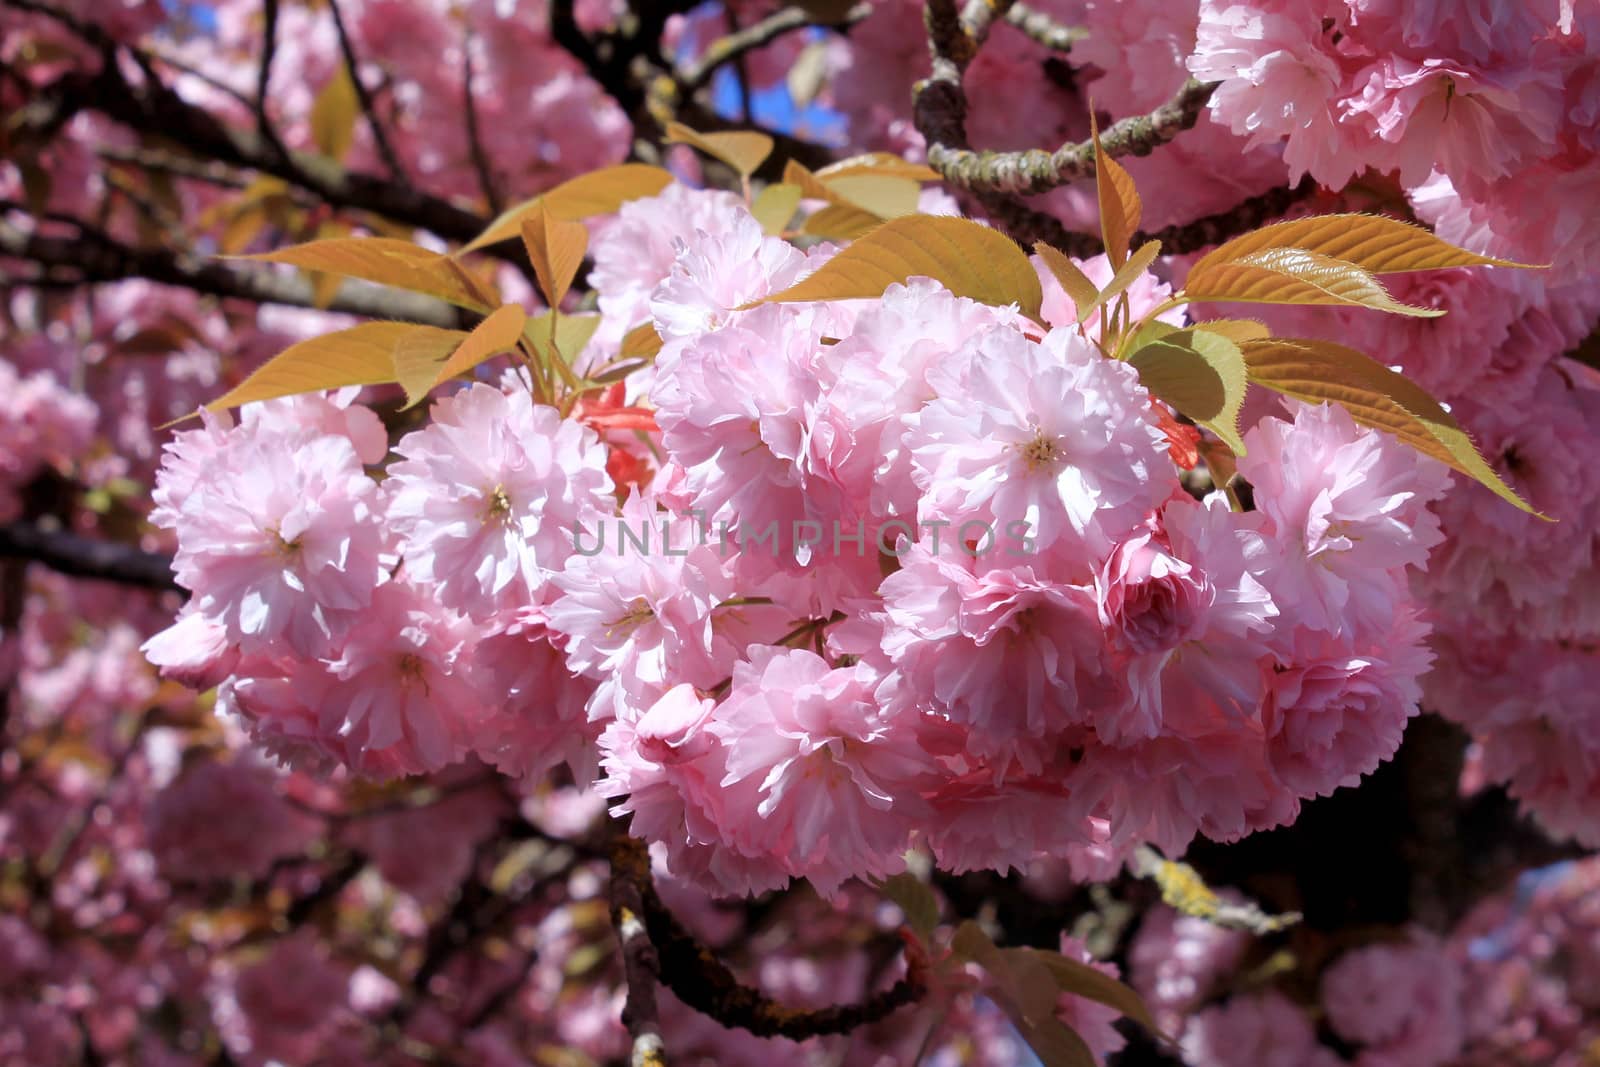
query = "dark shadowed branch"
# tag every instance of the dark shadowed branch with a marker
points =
(90, 256)
(84, 557)
(701, 980)
(369, 109)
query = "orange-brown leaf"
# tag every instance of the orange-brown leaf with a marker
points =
(1120, 207)
(556, 247)
(743, 150)
(388, 262)
(1372, 242)
(598, 192)
(361, 355)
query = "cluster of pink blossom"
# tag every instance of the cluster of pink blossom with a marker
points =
(1477, 120)
(909, 572)
(538, 115)
(45, 426)
(1512, 982)
(907, 569)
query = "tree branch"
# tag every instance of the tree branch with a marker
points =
(630, 883)
(1037, 171)
(177, 166)
(1028, 225)
(1183, 888)
(1043, 29)
(475, 145)
(702, 981)
(93, 256)
(979, 16)
(696, 75)
(154, 110)
(379, 136)
(269, 49)
(83, 557)
(1244, 216)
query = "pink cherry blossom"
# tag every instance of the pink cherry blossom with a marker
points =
(1349, 487)
(191, 842)
(488, 497)
(838, 778)
(1050, 435)
(281, 540)
(1006, 652)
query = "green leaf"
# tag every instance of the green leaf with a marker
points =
(1294, 276)
(599, 192)
(1200, 374)
(743, 150)
(1236, 330)
(1026, 991)
(1372, 242)
(617, 371)
(808, 74)
(1136, 265)
(361, 355)
(1055, 1043)
(878, 186)
(885, 195)
(811, 186)
(1375, 396)
(913, 897)
(333, 115)
(966, 257)
(388, 262)
(1082, 980)
(775, 206)
(1083, 293)
(572, 333)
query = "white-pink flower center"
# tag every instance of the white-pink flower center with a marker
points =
(1040, 452)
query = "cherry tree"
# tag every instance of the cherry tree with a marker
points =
(538, 532)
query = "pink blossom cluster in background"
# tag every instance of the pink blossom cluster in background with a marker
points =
(1511, 983)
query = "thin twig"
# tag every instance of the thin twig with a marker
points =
(153, 109)
(1043, 29)
(379, 136)
(184, 67)
(175, 165)
(269, 49)
(698, 74)
(630, 884)
(480, 154)
(91, 255)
